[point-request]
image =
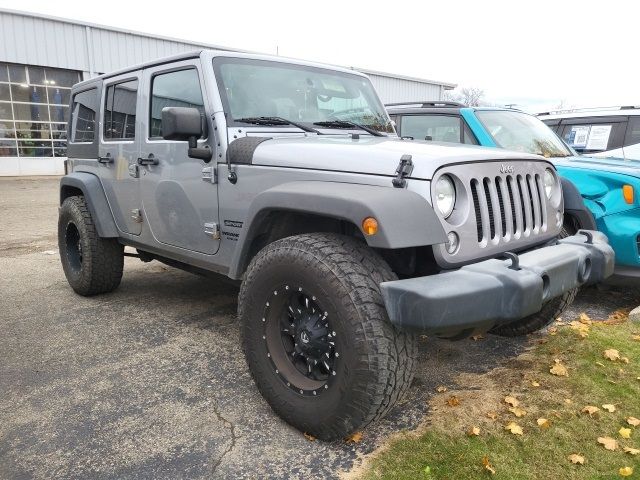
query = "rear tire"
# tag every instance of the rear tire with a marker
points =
(301, 291)
(91, 264)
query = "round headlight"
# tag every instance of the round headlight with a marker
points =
(445, 195)
(549, 182)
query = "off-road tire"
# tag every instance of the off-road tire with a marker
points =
(376, 362)
(549, 312)
(91, 264)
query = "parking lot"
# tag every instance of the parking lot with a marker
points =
(150, 381)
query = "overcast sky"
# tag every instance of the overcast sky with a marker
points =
(531, 53)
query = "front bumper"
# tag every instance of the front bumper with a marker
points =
(477, 297)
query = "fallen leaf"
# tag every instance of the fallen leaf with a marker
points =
(568, 401)
(534, 383)
(625, 471)
(492, 415)
(635, 337)
(576, 459)
(441, 389)
(611, 354)
(354, 438)
(632, 451)
(514, 428)
(581, 328)
(487, 465)
(543, 423)
(309, 437)
(584, 318)
(453, 401)
(617, 317)
(633, 421)
(518, 412)
(590, 409)
(511, 401)
(625, 432)
(609, 407)
(624, 359)
(608, 443)
(552, 330)
(474, 431)
(559, 370)
(600, 364)
(475, 338)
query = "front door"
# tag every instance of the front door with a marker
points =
(119, 148)
(180, 200)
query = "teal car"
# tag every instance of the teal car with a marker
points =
(599, 193)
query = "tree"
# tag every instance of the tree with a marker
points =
(470, 96)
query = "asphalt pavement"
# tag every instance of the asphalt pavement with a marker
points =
(150, 382)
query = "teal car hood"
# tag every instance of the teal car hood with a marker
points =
(614, 165)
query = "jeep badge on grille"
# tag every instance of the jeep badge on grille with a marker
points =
(506, 168)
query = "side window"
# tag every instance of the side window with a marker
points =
(439, 128)
(83, 116)
(592, 137)
(174, 89)
(468, 137)
(120, 111)
(633, 132)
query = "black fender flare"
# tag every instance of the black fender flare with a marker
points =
(574, 206)
(405, 218)
(95, 197)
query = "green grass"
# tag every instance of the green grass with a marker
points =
(443, 450)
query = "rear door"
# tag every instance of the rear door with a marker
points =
(632, 139)
(119, 149)
(179, 193)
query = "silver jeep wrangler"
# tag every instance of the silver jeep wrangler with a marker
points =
(347, 240)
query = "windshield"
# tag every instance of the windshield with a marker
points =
(258, 88)
(522, 132)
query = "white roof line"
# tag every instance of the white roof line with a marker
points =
(201, 45)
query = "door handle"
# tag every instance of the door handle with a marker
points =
(105, 159)
(150, 160)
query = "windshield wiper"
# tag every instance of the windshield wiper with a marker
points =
(349, 124)
(276, 121)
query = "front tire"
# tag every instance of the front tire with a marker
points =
(316, 334)
(91, 264)
(550, 310)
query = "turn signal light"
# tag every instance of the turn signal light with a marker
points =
(627, 193)
(370, 226)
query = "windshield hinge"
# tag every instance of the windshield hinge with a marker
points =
(405, 167)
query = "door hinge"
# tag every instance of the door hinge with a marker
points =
(136, 215)
(213, 230)
(134, 171)
(210, 174)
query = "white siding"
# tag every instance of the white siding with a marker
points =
(400, 90)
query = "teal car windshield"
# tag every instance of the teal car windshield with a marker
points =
(258, 89)
(522, 133)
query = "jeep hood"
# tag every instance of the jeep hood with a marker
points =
(373, 155)
(608, 164)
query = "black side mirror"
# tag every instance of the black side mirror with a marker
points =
(182, 123)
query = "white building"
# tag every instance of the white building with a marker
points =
(41, 57)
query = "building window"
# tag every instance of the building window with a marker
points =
(34, 110)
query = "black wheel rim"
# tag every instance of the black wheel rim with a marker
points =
(73, 245)
(301, 344)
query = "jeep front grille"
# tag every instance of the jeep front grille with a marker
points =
(508, 207)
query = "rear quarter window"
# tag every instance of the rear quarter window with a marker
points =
(84, 108)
